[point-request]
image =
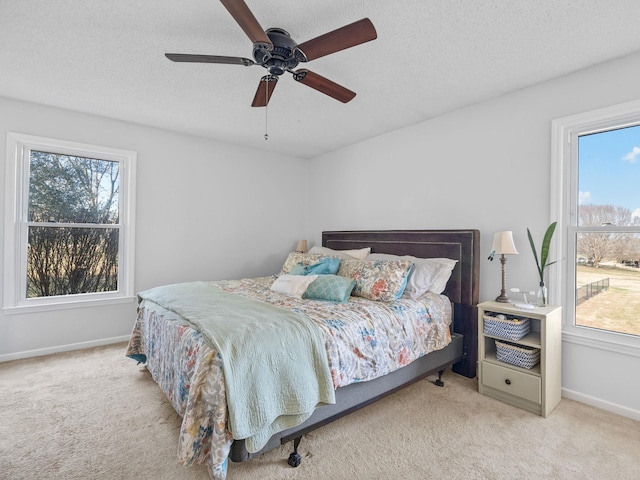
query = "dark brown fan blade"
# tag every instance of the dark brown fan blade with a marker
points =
(346, 37)
(186, 57)
(243, 16)
(323, 85)
(264, 91)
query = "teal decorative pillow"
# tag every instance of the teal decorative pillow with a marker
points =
(325, 266)
(296, 258)
(330, 287)
(382, 280)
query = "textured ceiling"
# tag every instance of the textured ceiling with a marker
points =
(106, 57)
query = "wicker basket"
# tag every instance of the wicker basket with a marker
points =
(509, 328)
(518, 355)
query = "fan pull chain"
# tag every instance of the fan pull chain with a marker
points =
(266, 123)
(266, 108)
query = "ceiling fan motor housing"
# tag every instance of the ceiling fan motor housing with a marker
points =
(283, 55)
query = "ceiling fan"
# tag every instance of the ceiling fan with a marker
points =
(275, 50)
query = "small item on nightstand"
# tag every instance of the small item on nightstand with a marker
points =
(524, 305)
(542, 295)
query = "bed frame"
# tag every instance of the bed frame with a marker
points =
(460, 354)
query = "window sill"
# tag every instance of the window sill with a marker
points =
(617, 343)
(23, 309)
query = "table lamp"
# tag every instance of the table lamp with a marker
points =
(302, 246)
(503, 245)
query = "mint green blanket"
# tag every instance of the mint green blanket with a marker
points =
(274, 360)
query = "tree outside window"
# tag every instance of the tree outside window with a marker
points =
(73, 202)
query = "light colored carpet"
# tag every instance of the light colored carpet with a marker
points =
(95, 414)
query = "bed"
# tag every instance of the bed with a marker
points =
(191, 371)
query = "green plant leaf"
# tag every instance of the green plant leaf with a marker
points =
(535, 254)
(544, 252)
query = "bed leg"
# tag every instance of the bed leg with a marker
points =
(295, 458)
(439, 381)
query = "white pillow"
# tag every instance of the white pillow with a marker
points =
(428, 274)
(360, 254)
(293, 285)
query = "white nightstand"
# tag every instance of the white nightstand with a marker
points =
(537, 389)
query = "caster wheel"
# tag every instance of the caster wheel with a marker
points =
(439, 383)
(294, 459)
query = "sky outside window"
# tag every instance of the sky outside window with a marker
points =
(609, 168)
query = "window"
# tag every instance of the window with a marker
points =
(69, 223)
(597, 167)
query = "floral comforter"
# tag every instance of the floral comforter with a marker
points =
(364, 340)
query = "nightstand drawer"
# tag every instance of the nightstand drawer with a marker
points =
(512, 382)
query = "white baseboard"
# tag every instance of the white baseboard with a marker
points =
(601, 404)
(62, 348)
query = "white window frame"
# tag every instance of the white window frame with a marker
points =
(19, 147)
(564, 185)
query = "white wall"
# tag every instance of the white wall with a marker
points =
(203, 212)
(484, 167)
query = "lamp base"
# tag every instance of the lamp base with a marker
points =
(502, 299)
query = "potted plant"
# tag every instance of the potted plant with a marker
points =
(541, 262)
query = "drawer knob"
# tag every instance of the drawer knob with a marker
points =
(507, 381)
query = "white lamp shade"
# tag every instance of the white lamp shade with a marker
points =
(503, 244)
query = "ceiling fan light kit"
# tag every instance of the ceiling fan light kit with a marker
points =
(277, 52)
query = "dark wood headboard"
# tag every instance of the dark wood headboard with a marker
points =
(463, 287)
